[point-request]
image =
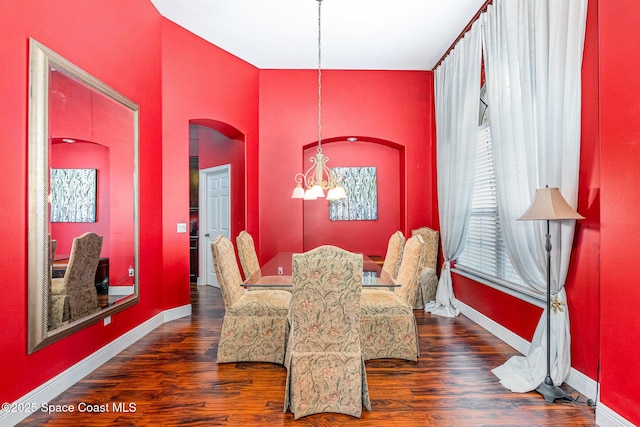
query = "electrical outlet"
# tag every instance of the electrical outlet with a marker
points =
(181, 227)
(131, 271)
(107, 320)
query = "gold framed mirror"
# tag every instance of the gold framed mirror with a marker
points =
(83, 179)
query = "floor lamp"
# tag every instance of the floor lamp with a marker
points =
(549, 205)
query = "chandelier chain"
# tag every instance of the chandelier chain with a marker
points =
(319, 177)
(319, 76)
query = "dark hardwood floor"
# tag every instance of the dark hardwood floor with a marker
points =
(170, 377)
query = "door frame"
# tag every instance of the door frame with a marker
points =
(204, 249)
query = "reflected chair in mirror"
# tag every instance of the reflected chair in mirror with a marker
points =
(393, 256)
(255, 324)
(78, 282)
(428, 281)
(58, 304)
(388, 325)
(325, 367)
(53, 245)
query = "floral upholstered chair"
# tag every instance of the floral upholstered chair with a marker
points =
(58, 304)
(78, 283)
(255, 324)
(428, 282)
(393, 256)
(247, 254)
(388, 327)
(80, 276)
(325, 367)
(251, 266)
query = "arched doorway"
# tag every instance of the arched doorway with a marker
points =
(214, 144)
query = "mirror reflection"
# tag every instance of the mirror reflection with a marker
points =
(83, 199)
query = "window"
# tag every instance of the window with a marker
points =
(484, 252)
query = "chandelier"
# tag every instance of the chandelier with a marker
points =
(312, 184)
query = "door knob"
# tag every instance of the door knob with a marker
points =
(206, 235)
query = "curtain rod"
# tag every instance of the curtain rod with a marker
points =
(482, 9)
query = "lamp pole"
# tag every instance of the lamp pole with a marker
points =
(548, 204)
(547, 389)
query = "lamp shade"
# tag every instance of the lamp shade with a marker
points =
(308, 195)
(317, 191)
(337, 193)
(549, 204)
(298, 192)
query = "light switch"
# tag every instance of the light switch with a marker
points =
(182, 227)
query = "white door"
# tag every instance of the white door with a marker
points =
(215, 217)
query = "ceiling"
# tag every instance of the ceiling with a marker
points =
(356, 34)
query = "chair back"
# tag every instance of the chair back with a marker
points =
(325, 308)
(227, 271)
(247, 254)
(325, 367)
(53, 244)
(432, 241)
(410, 269)
(394, 253)
(80, 275)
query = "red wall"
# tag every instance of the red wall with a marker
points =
(178, 78)
(620, 151)
(393, 106)
(356, 236)
(102, 131)
(125, 54)
(583, 281)
(114, 205)
(202, 84)
(84, 155)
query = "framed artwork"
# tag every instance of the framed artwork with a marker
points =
(361, 203)
(73, 195)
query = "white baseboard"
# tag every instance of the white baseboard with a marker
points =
(515, 341)
(176, 313)
(120, 290)
(576, 379)
(582, 383)
(61, 382)
(605, 417)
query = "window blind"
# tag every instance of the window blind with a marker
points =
(484, 252)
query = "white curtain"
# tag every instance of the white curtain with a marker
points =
(533, 59)
(457, 87)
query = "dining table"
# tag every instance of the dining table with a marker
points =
(277, 272)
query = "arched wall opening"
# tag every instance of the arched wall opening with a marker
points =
(214, 143)
(366, 236)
